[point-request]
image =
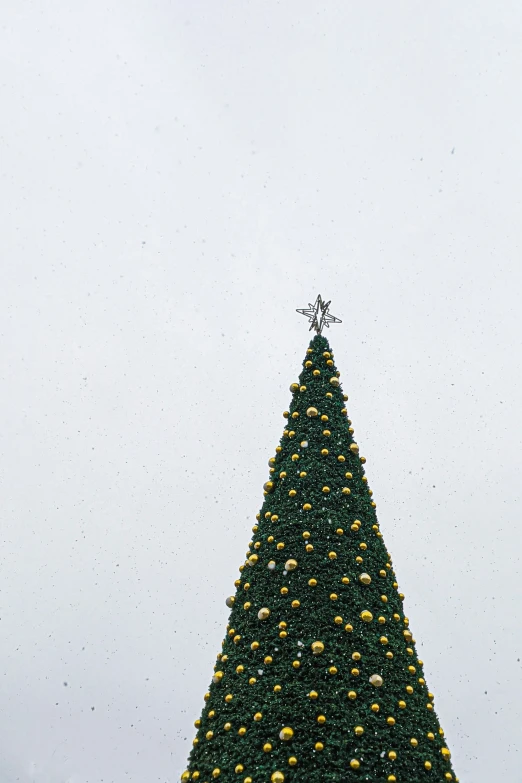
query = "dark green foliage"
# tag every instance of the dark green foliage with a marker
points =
(336, 547)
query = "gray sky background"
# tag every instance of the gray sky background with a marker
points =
(177, 178)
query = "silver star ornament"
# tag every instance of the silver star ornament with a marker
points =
(318, 315)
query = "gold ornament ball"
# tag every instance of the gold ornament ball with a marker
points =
(324, 452)
(316, 373)
(355, 672)
(280, 545)
(355, 764)
(391, 779)
(427, 764)
(230, 601)
(296, 604)
(365, 579)
(392, 755)
(242, 731)
(258, 716)
(333, 596)
(313, 695)
(274, 518)
(267, 747)
(319, 746)
(321, 719)
(292, 493)
(317, 647)
(352, 695)
(345, 580)
(307, 507)
(296, 664)
(332, 555)
(277, 689)
(339, 531)
(356, 656)
(430, 735)
(414, 742)
(216, 772)
(309, 548)
(294, 387)
(348, 628)
(363, 546)
(359, 731)
(326, 354)
(239, 768)
(302, 388)
(376, 680)
(312, 412)
(206, 696)
(341, 458)
(312, 582)
(332, 670)
(338, 620)
(446, 753)
(389, 654)
(326, 433)
(402, 704)
(277, 777)
(346, 491)
(268, 486)
(218, 676)
(308, 363)
(286, 733)
(292, 761)
(229, 697)
(384, 599)
(185, 775)
(383, 640)
(197, 723)
(195, 775)
(390, 721)
(329, 395)
(240, 669)
(366, 616)
(448, 776)
(334, 381)
(375, 708)
(263, 613)
(354, 448)
(295, 457)
(291, 565)
(326, 490)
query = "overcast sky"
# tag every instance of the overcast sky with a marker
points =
(176, 179)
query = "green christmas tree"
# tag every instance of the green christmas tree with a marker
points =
(318, 679)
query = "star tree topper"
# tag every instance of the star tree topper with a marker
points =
(319, 316)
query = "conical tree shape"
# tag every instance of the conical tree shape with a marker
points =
(318, 680)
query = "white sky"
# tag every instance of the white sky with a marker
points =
(176, 179)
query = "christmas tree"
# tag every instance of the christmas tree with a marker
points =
(318, 679)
